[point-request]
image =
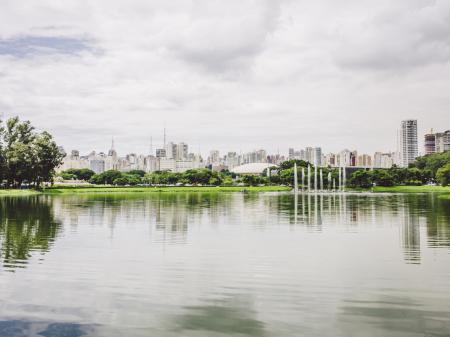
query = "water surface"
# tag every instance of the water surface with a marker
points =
(225, 264)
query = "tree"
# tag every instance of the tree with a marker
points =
(139, 173)
(81, 174)
(361, 178)
(26, 156)
(382, 178)
(432, 162)
(106, 177)
(290, 164)
(48, 156)
(128, 179)
(443, 175)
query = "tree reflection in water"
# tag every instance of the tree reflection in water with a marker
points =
(27, 225)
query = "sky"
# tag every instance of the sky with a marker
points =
(230, 75)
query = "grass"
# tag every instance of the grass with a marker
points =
(97, 189)
(15, 193)
(413, 189)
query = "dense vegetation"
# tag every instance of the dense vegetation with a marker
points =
(137, 177)
(26, 156)
(283, 175)
(429, 169)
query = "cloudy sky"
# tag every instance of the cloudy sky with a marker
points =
(229, 74)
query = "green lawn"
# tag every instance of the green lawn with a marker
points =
(15, 193)
(71, 190)
(413, 189)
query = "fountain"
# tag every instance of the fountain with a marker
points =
(321, 179)
(309, 178)
(339, 179)
(315, 178)
(303, 178)
(295, 179)
(344, 178)
(329, 181)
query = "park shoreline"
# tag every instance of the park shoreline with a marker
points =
(206, 189)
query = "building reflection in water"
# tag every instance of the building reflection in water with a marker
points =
(29, 225)
(352, 210)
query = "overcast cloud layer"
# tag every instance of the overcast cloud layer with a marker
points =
(233, 75)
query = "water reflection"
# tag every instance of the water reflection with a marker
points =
(230, 316)
(219, 264)
(27, 226)
(30, 225)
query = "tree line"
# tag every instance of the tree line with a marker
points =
(27, 157)
(429, 169)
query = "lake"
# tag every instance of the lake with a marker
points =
(225, 264)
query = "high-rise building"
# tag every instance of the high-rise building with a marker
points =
(214, 157)
(309, 154)
(443, 141)
(181, 151)
(171, 150)
(364, 160)
(317, 156)
(353, 158)
(291, 153)
(430, 143)
(408, 141)
(160, 153)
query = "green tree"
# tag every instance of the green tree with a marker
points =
(81, 174)
(48, 157)
(128, 179)
(361, 178)
(106, 177)
(139, 173)
(382, 178)
(26, 156)
(443, 175)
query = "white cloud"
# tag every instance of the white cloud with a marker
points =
(229, 74)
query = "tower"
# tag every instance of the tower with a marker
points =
(408, 139)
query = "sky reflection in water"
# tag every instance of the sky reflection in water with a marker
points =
(225, 265)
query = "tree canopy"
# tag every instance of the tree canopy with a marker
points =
(26, 156)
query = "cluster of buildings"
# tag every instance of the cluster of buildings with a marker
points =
(437, 142)
(176, 157)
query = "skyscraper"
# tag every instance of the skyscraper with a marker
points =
(408, 139)
(430, 143)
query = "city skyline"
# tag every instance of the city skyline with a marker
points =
(154, 146)
(253, 73)
(177, 157)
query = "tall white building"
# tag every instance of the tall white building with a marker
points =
(408, 141)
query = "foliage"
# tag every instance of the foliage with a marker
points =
(128, 180)
(79, 174)
(361, 178)
(192, 177)
(139, 173)
(67, 176)
(432, 162)
(253, 180)
(26, 156)
(443, 175)
(106, 177)
(290, 164)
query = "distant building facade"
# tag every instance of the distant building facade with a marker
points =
(408, 141)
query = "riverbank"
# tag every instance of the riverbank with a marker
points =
(18, 193)
(445, 191)
(412, 189)
(172, 189)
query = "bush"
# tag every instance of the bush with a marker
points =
(443, 175)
